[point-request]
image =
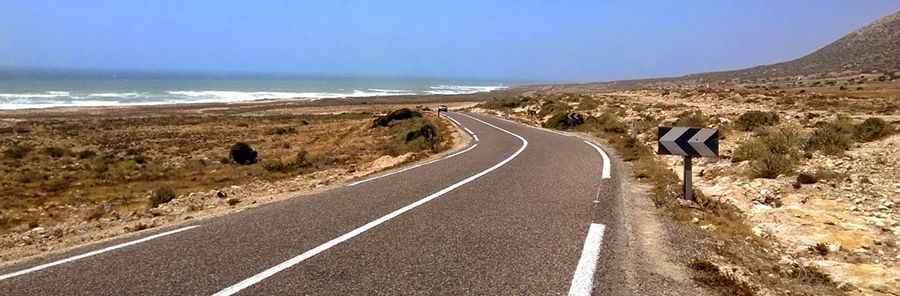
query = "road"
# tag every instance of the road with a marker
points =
(519, 211)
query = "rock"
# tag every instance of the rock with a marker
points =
(39, 230)
(156, 212)
(760, 208)
(221, 194)
(758, 231)
(834, 247)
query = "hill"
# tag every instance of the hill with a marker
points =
(875, 47)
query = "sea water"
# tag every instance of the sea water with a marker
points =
(111, 89)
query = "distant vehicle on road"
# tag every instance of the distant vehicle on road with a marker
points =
(442, 108)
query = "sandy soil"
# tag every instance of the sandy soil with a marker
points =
(71, 227)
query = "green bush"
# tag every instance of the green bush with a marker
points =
(607, 123)
(832, 138)
(753, 119)
(564, 121)
(396, 115)
(750, 150)
(161, 196)
(770, 165)
(633, 150)
(553, 107)
(873, 129)
(776, 151)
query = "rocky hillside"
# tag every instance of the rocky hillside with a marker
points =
(875, 47)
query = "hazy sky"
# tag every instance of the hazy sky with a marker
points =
(522, 39)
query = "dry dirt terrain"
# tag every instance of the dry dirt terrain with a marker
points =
(71, 176)
(807, 181)
(803, 199)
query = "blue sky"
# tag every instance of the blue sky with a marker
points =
(525, 40)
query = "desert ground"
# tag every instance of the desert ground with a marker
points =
(77, 175)
(804, 193)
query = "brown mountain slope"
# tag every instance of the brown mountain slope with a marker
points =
(875, 47)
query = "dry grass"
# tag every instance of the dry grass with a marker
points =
(732, 240)
(52, 164)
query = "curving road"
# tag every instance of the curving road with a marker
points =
(519, 211)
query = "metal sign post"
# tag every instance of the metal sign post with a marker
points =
(688, 188)
(688, 142)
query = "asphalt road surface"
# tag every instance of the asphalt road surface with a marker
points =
(519, 211)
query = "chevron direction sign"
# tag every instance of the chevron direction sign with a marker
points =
(689, 141)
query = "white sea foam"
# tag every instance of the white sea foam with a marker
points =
(48, 94)
(114, 95)
(461, 89)
(48, 99)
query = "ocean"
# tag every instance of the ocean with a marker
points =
(64, 90)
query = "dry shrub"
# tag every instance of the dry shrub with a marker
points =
(86, 154)
(161, 196)
(606, 123)
(282, 130)
(820, 248)
(396, 115)
(301, 161)
(710, 275)
(503, 104)
(832, 138)
(17, 151)
(750, 150)
(873, 129)
(772, 165)
(754, 119)
(588, 103)
(692, 119)
(775, 152)
(54, 152)
(551, 106)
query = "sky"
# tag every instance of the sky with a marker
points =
(534, 40)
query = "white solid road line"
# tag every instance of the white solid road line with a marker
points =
(605, 171)
(321, 248)
(474, 136)
(583, 280)
(424, 163)
(85, 255)
(412, 167)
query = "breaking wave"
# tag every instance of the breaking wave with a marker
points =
(56, 98)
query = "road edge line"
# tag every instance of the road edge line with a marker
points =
(583, 279)
(605, 170)
(373, 178)
(92, 253)
(233, 289)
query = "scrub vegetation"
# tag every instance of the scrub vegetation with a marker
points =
(57, 166)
